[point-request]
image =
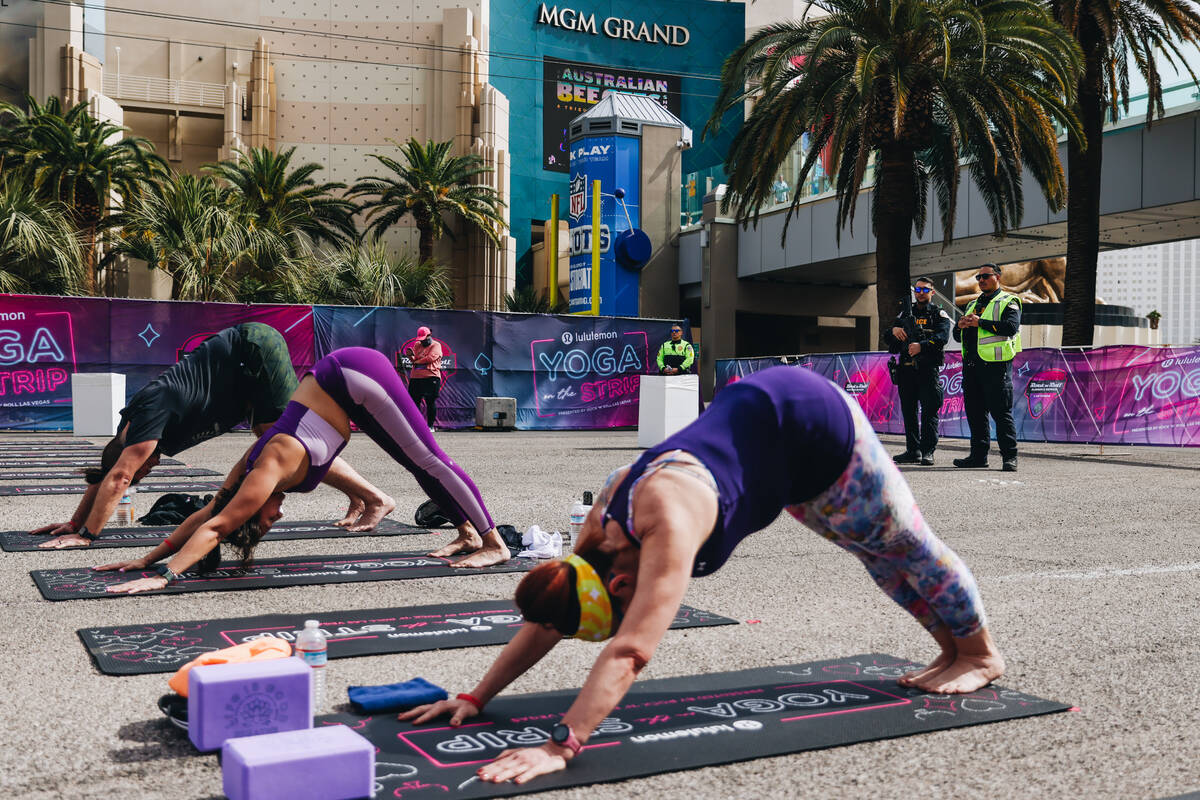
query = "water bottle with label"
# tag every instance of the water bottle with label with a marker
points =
(123, 515)
(314, 650)
(579, 513)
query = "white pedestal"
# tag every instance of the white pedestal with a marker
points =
(666, 404)
(96, 402)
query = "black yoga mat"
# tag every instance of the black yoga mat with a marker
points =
(63, 462)
(53, 474)
(85, 583)
(80, 487)
(150, 535)
(24, 444)
(167, 646)
(676, 724)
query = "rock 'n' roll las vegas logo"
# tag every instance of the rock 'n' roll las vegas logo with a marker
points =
(578, 196)
(857, 384)
(1043, 389)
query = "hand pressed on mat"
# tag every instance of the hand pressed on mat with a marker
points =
(525, 764)
(459, 710)
(138, 586)
(64, 541)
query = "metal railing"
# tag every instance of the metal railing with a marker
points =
(164, 90)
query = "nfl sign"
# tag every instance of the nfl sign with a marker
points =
(578, 196)
(613, 161)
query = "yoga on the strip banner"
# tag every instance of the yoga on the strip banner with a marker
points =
(44, 340)
(564, 371)
(1124, 394)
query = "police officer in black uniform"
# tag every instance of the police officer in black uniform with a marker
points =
(917, 336)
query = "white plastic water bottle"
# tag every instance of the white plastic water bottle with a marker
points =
(314, 650)
(123, 515)
(579, 513)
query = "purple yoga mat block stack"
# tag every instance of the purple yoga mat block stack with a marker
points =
(226, 701)
(328, 763)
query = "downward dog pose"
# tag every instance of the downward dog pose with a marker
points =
(783, 438)
(356, 385)
(242, 374)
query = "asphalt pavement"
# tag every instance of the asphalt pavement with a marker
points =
(1088, 559)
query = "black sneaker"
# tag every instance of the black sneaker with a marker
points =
(927, 460)
(1010, 465)
(907, 458)
(971, 461)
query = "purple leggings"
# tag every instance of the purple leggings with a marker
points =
(365, 385)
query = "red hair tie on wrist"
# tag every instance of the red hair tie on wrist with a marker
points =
(470, 698)
(170, 545)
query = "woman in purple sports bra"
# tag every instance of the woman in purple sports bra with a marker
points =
(781, 439)
(354, 384)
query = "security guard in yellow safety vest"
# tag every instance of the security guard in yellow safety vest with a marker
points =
(675, 357)
(990, 332)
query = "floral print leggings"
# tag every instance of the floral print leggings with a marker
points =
(870, 511)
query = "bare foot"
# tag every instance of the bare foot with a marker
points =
(485, 556)
(944, 659)
(965, 674)
(376, 509)
(352, 513)
(467, 542)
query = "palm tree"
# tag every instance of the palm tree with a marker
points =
(194, 230)
(289, 201)
(367, 275)
(81, 162)
(914, 84)
(39, 251)
(1112, 34)
(528, 300)
(428, 184)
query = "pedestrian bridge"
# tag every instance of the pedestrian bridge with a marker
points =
(1150, 194)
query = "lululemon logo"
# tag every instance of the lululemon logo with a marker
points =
(567, 338)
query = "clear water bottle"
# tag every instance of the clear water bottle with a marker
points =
(579, 513)
(123, 515)
(314, 650)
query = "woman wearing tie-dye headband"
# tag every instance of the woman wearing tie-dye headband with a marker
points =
(781, 439)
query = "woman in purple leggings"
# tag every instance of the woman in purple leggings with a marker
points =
(782, 439)
(356, 385)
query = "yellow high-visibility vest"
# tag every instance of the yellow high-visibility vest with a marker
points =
(994, 347)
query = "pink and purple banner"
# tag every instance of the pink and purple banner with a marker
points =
(1126, 394)
(43, 340)
(565, 372)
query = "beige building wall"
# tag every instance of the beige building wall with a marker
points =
(337, 80)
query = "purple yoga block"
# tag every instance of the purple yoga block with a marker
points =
(230, 700)
(327, 763)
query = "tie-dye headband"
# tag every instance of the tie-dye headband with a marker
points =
(595, 607)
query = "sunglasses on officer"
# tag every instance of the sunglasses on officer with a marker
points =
(983, 276)
(676, 330)
(922, 289)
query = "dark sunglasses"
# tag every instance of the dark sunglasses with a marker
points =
(676, 330)
(983, 276)
(922, 289)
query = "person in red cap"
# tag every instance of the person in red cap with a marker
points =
(426, 380)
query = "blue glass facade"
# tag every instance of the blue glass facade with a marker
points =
(605, 34)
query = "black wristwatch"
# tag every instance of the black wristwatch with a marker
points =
(165, 571)
(561, 734)
(84, 533)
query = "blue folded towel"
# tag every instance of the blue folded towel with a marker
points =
(395, 696)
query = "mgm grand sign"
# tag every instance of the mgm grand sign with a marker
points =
(613, 27)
